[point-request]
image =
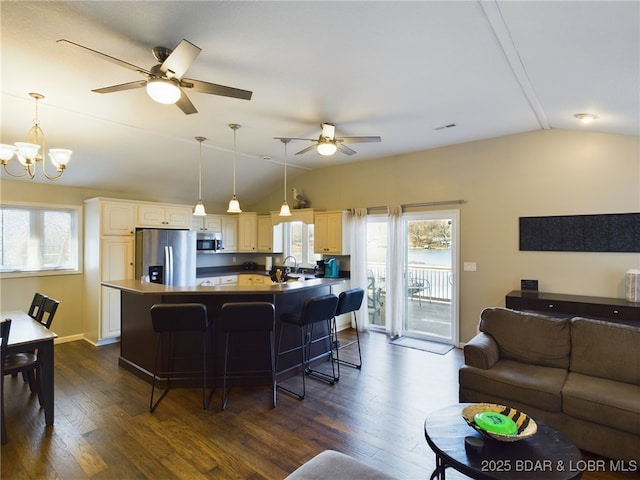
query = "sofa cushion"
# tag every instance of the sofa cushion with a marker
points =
(537, 386)
(611, 403)
(528, 337)
(605, 349)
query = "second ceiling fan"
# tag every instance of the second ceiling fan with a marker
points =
(165, 82)
(328, 143)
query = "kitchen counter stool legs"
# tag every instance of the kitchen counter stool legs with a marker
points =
(169, 319)
(314, 310)
(248, 318)
(349, 301)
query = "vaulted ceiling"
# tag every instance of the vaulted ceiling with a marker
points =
(420, 74)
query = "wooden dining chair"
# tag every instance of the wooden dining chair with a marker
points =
(47, 311)
(36, 305)
(13, 363)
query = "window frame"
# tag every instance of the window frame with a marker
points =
(308, 260)
(77, 212)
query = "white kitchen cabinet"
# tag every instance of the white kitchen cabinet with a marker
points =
(208, 223)
(331, 232)
(247, 232)
(117, 218)
(270, 237)
(228, 280)
(107, 256)
(250, 279)
(163, 216)
(229, 233)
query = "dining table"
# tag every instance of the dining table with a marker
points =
(27, 335)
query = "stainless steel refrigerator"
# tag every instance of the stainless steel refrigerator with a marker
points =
(166, 256)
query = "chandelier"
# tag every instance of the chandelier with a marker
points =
(32, 151)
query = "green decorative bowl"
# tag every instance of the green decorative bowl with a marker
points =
(526, 426)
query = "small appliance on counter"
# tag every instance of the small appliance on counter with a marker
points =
(319, 269)
(331, 269)
(250, 266)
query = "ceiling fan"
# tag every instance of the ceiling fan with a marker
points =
(328, 143)
(165, 82)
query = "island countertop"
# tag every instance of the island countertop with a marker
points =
(146, 288)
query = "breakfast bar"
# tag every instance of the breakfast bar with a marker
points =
(137, 341)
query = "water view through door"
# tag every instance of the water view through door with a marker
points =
(429, 275)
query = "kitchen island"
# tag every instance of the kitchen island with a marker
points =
(137, 340)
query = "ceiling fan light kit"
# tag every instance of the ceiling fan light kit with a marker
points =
(32, 151)
(163, 90)
(326, 148)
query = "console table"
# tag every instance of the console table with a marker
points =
(601, 308)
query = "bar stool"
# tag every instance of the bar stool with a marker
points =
(171, 318)
(349, 301)
(248, 317)
(314, 310)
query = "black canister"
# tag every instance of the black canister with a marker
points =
(319, 269)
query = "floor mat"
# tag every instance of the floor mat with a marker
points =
(425, 345)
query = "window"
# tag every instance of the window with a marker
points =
(299, 243)
(39, 239)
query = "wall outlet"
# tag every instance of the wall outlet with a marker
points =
(233, 259)
(469, 266)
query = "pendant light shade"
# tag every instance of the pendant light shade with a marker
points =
(284, 209)
(234, 204)
(198, 209)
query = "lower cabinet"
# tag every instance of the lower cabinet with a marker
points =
(110, 320)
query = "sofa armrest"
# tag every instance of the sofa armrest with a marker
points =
(481, 351)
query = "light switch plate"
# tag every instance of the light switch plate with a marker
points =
(469, 266)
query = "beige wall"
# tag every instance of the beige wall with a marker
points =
(552, 172)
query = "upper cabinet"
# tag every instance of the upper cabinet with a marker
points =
(270, 237)
(248, 232)
(163, 216)
(208, 223)
(331, 233)
(229, 225)
(117, 218)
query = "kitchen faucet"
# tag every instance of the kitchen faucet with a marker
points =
(295, 263)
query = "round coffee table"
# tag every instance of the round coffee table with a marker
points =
(548, 454)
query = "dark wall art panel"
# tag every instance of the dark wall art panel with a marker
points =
(614, 232)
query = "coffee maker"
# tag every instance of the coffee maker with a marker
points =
(319, 269)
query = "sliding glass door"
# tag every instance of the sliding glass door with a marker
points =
(430, 311)
(428, 275)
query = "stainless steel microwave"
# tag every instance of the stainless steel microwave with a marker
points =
(208, 242)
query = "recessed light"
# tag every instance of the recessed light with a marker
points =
(585, 117)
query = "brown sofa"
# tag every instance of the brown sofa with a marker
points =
(582, 376)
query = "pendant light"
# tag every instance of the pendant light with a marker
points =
(284, 209)
(198, 209)
(234, 204)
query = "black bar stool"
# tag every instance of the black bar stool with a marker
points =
(248, 317)
(314, 310)
(349, 301)
(171, 318)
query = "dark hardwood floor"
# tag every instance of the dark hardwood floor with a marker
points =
(103, 429)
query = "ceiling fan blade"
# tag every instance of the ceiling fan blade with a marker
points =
(358, 139)
(180, 59)
(344, 149)
(214, 89)
(185, 104)
(305, 150)
(295, 138)
(109, 58)
(121, 87)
